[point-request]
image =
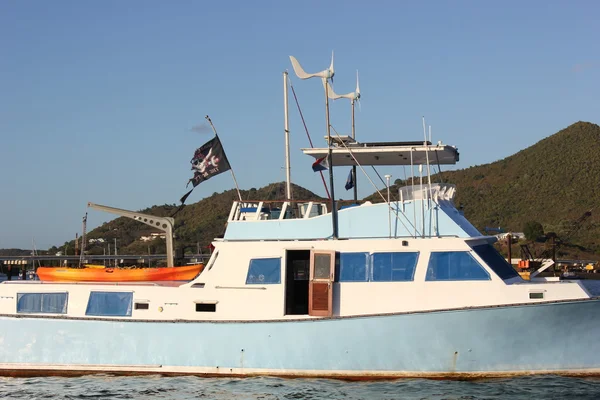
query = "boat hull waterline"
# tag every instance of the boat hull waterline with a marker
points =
(464, 344)
(184, 273)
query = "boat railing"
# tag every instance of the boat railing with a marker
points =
(261, 210)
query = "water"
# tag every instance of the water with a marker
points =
(180, 388)
(156, 387)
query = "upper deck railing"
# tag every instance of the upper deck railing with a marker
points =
(260, 210)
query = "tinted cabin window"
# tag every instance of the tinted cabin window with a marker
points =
(495, 261)
(394, 267)
(264, 271)
(110, 304)
(45, 303)
(454, 266)
(352, 267)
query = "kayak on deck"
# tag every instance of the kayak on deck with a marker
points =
(184, 273)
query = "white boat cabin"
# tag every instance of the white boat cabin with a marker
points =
(418, 254)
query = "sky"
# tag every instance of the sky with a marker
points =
(98, 98)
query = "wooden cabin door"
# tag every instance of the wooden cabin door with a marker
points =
(320, 289)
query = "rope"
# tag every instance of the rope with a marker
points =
(378, 191)
(307, 134)
(437, 157)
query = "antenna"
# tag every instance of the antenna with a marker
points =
(426, 143)
(325, 75)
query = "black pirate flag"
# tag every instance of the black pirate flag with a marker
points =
(208, 161)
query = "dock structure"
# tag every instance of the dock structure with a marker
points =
(30, 261)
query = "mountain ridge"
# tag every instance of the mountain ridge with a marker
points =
(551, 181)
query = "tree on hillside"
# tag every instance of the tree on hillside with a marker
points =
(533, 230)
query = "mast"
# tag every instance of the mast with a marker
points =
(354, 97)
(286, 128)
(334, 215)
(354, 166)
(325, 75)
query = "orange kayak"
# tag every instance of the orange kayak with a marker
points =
(185, 273)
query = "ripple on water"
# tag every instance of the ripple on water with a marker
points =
(179, 388)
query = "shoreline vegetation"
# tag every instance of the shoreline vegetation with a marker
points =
(550, 184)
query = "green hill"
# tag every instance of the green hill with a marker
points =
(195, 225)
(554, 182)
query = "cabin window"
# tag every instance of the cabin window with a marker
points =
(352, 267)
(455, 266)
(264, 271)
(110, 304)
(142, 306)
(495, 261)
(394, 267)
(44, 303)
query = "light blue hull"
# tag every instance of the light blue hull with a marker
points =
(554, 337)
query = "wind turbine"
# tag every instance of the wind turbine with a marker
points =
(326, 75)
(300, 73)
(354, 97)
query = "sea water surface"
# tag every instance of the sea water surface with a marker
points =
(156, 387)
(180, 388)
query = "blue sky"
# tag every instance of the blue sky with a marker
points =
(97, 99)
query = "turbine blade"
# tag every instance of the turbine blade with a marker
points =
(330, 93)
(300, 73)
(357, 87)
(331, 70)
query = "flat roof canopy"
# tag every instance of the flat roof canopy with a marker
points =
(388, 154)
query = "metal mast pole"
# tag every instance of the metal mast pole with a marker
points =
(387, 178)
(286, 127)
(354, 166)
(330, 162)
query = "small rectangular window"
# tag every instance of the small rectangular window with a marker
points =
(352, 267)
(206, 307)
(141, 306)
(43, 303)
(264, 271)
(454, 266)
(536, 295)
(110, 304)
(393, 267)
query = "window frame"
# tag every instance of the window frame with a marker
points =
(469, 253)
(339, 266)
(97, 292)
(247, 282)
(41, 311)
(392, 253)
(506, 272)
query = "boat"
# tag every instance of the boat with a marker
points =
(182, 273)
(99, 273)
(406, 287)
